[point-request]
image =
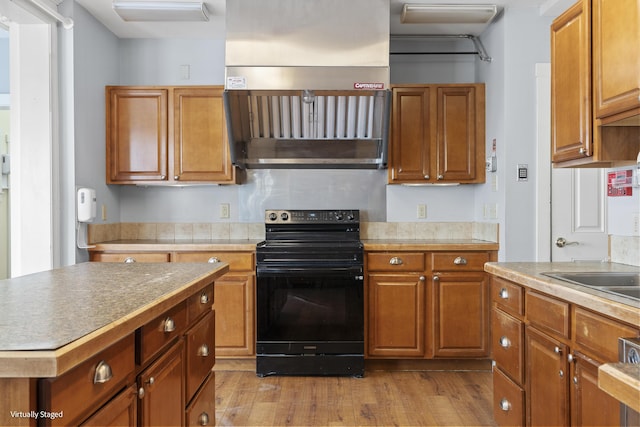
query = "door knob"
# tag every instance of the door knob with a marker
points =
(561, 242)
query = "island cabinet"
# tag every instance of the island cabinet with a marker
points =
(437, 134)
(160, 375)
(546, 353)
(166, 134)
(423, 304)
(595, 84)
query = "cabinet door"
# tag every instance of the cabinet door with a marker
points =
(136, 134)
(396, 315)
(547, 380)
(162, 390)
(616, 49)
(120, 412)
(201, 151)
(234, 297)
(461, 315)
(590, 406)
(460, 134)
(571, 84)
(411, 135)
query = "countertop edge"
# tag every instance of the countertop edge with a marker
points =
(53, 363)
(622, 381)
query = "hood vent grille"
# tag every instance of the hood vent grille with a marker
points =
(305, 129)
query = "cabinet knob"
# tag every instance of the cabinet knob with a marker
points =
(557, 350)
(203, 419)
(505, 342)
(440, 177)
(575, 380)
(213, 260)
(460, 261)
(396, 261)
(561, 373)
(427, 177)
(422, 278)
(504, 294)
(163, 177)
(169, 325)
(436, 278)
(570, 358)
(151, 381)
(204, 298)
(203, 351)
(129, 260)
(103, 373)
(582, 150)
(505, 405)
(141, 393)
(176, 177)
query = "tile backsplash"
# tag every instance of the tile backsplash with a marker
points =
(625, 249)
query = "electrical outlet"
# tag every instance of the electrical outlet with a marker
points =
(224, 210)
(104, 212)
(422, 211)
(636, 224)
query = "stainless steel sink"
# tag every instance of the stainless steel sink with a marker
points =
(621, 283)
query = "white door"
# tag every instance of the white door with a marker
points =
(578, 215)
(571, 203)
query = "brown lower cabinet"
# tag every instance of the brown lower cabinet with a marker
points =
(546, 354)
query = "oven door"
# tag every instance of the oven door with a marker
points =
(310, 311)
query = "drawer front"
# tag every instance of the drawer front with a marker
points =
(547, 313)
(131, 257)
(395, 261)
(200, 302)
(507, 295)
(121, 411)
(202, 411)
(160, 332)
(79, 391)
(200, 353)
(508, 401)
(508, 349)
(459, 261)
(599, 335)
(238, 261)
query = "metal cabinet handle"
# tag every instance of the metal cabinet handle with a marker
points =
(151, 381)
(582, 150)
(203, 419)
(141, 393)
(505, 342)
(436, 278)
(396, 261)
(141, 390)
(213, 260)
(169, 325)
(129, 260)
(505, 405)
(103, 373)
(204, 298)
(163, 177)
(460, 261)
(504, 294)
(422, 278)
(426, 177)
(557, 350)
(176, 177)
(203, 351)
(561, 373)
(440, 177)
(575, 380)
(570, 358)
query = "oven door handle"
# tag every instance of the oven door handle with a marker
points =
(354, 272)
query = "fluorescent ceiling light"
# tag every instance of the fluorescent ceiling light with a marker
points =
(413, 13)
(161, 11)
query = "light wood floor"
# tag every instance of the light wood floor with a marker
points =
(381, 398)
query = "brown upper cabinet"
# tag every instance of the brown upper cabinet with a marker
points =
(163, 134)
(437, 134)
(595, 85)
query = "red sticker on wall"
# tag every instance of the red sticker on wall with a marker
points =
(619, 183)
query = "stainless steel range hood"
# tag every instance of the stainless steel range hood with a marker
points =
(307, 83)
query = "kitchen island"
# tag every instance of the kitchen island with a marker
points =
(551, 340)
(75, 338)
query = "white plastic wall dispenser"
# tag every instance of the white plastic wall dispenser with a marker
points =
(86, 204)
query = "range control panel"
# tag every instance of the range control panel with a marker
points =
(311, 216)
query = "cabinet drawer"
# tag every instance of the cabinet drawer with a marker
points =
(507, 295)
(459, 261)
(121, 411)
(201, 412)
(508, 401)
(200, 302)
(508, 349)
(78, 392)
(131, 257)
(396, 261)
(200, 353)
(547, 313)
(599, 335)
(238, 261)
(160, 332)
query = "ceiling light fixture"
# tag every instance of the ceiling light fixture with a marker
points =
(161, 11)
(413, 13)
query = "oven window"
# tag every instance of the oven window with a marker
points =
(310, 309)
